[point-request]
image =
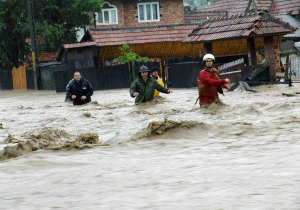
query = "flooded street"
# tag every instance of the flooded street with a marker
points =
(167, 154)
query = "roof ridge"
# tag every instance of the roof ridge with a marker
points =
(142, 27)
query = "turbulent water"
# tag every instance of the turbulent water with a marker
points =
(166, 154)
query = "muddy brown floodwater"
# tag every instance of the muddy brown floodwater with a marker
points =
(167, 154)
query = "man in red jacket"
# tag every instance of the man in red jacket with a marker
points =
(210, 83)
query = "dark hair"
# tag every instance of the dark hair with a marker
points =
(154, 69)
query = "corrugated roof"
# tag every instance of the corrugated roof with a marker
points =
(120, 36)
(293, 22)
(290, 7)
(254, 24)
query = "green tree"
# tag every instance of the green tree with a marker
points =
(127, 56)
(190, 2)
(56, 21)
(194, 3)
(59, 20)
(14, 31)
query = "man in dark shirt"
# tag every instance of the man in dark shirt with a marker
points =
(80, 90)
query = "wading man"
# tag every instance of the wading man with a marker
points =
(143, 87)
(210, 83)
(154, 74)
(80, 90)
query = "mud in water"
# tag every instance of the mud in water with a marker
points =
(46, 138)
(240, 155)
(159, 128)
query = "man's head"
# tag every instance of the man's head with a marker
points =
(208, 60)
(144, 72)
(77, 76)
(154, 72)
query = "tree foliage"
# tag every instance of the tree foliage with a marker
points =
(128, 56)
(14, 31)
(57, 22)
(194, 3)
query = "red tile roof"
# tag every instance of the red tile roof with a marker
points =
(232, 7)
(239, 26)
(291, 7)
(120, 36)
(199, 17)
(44, 57)
(82, 44)
(238, 7)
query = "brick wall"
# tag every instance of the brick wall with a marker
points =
(171, 12)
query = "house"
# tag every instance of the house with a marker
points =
(139, 13)
(158, 29)
(79, 55)
(152, 29)
(285, 10)
(197, 17)
(47, 62)
(153, 42)
(242, 34)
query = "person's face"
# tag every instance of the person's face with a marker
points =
(208, 63)
(155, 74)
(77, 76)
(144, 74)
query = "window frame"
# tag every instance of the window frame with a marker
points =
(151, 12)
(109, 15)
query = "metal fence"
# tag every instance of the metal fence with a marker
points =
(6, 82)
(183, 75)
(113, 77)
(295, 67)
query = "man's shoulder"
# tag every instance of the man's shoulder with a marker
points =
(137, 79)
(152, 79)
(84, 80)
(71, 82)
(203, 71)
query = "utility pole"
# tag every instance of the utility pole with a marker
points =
(35, 60)
(94, 19)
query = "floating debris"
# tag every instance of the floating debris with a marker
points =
(87, 114)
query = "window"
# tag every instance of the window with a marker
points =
(148, 12)
(108, 15)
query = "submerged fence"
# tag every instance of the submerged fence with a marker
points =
(177, 73)
(6, 82)
(295, 67)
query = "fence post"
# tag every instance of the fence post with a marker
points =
(163, 74)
